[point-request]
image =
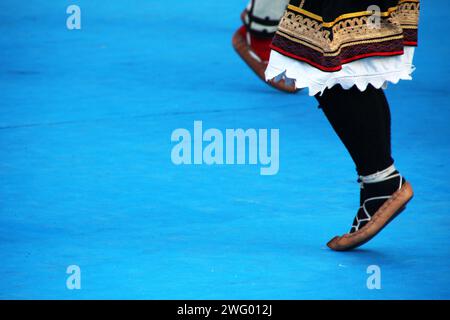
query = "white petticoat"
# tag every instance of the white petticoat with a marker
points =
(377, 71)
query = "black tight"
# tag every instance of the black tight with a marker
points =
(362, 120)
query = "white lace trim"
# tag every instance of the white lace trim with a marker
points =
(377, 71)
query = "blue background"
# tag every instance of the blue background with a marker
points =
(86, 176)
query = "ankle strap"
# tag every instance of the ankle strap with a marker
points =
(379, 176)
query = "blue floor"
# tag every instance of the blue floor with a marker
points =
(86, 177)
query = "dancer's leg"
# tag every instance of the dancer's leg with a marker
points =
(252, 41)
(363, 123)
(261, 17)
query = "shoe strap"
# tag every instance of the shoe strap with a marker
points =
(378, 176)
(363, 206)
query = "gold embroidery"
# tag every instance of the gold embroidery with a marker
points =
(337, 53)
(407, 14)
(349, 31)
(341, 17)
(300, 9)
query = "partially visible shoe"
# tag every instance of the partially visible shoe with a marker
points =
(378, 209)
(255, 52)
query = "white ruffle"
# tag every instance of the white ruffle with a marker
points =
(377, 71)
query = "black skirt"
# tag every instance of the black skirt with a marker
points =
(329, 33)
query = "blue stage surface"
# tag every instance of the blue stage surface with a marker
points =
(86, 176)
